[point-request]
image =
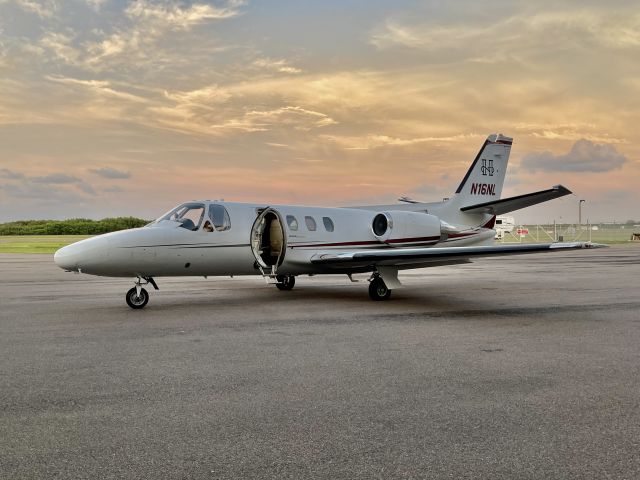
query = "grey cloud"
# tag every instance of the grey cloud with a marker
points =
(95, 4)
(111, 173)
(10, 174)
(148, 22)
(48, 186)
(42, 8)
(32, 191)
(51, 192)
(113, 189)
(86, 188)
(26, 191)
(584, 156)
(57, 178)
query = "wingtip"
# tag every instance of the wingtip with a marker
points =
(577, 245)
(595, 245)
(562, 190)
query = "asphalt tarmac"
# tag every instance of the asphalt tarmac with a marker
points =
(519, 367)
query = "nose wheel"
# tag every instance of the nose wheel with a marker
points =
(378, 290)
(137, 299)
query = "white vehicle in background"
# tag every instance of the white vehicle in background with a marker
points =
(280, 242)
(504, 224)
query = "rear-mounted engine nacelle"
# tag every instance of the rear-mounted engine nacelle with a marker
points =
(400, 229)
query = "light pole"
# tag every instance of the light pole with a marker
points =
(580, 214)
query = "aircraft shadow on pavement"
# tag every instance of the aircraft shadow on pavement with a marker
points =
(313, 298)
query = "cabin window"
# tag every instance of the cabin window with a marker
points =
(311, 223)
(292, 222)
(498, 222)
(328, 224)
(219, 217)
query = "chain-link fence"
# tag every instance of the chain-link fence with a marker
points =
(563, 232)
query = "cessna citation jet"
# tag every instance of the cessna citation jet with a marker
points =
(280, 242)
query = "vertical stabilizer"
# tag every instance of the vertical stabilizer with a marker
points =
(484, 179)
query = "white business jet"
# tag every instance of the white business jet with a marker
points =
(280, 242)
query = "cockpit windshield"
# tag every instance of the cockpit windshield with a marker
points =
(189, 215)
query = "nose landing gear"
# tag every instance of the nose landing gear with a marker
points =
(138, 297)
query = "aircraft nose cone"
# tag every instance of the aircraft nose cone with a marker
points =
(83, 256)
(67, 257)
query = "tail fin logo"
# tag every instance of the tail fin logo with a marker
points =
(487, 167)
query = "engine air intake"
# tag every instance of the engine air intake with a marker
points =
(380, 225)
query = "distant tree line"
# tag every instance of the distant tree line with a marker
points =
(74, 226)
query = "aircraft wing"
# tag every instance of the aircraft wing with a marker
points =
(505, 205)
(434, 255)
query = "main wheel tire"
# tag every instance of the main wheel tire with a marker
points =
(285, 282)
(136, 301)
(378, 290)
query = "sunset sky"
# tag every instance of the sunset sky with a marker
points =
(111, 107)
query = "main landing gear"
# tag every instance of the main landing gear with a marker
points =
(138, 297)
(378, 290)
(285, 282)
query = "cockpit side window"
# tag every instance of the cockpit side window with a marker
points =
(219, 217)
(189, 215)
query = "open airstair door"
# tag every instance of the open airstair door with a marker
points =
(268, 240)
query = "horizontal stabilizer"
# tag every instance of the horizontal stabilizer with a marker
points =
(505, 205)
